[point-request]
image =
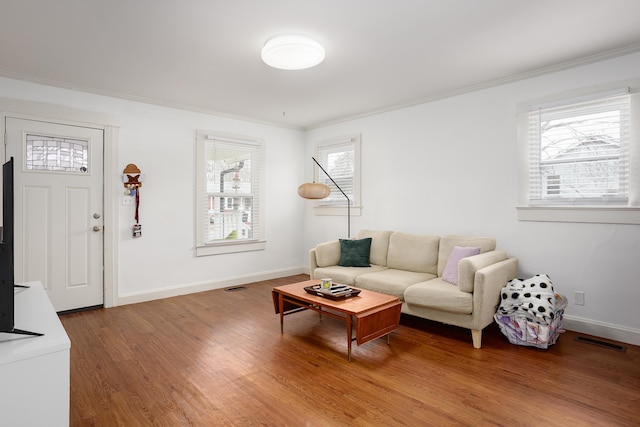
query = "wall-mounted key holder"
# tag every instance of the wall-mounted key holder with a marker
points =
(133, 179)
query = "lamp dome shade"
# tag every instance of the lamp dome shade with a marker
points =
(314, 190)
(292, 52)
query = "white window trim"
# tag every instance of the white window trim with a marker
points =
(224, 247)
(324, 209)
(623, 214)
(231, 248)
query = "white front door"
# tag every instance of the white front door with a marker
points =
(58, 183)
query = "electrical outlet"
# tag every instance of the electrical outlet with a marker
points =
(578, 298)
(127, 201)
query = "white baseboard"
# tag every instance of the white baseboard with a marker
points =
(190, 288)
(600, 329)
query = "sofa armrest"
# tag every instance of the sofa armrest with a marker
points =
(467, 267)
(325, 254)
(313, 264)
(489, 282)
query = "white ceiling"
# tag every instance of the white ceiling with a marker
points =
(204, 55)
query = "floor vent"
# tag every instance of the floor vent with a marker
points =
(236, 288)
(602, 343)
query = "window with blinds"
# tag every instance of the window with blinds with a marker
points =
(229, 197)
(579, 153)
(340, 158)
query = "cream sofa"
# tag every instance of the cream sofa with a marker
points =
(411, 268)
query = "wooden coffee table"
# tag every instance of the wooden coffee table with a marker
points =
(373, 314)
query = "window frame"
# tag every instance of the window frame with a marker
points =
(610, 213)
(339, 206)
(222, 246)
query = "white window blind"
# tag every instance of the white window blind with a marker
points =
(340, 158)
(579, 153)
(229, 190)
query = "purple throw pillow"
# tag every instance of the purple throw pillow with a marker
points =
(450, 273)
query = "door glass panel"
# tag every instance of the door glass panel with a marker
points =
(55, 154)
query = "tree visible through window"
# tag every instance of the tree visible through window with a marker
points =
(229, 195)
(340, 158)
(579, 153)
(229, 198)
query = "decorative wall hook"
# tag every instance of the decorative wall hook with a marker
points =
(132, 178)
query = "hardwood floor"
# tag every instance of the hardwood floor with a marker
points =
(218, 358)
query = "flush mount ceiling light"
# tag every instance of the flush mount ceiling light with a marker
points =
(292, 52)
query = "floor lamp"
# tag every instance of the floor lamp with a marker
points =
(314, 190)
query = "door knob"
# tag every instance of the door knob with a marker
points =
(96, 228)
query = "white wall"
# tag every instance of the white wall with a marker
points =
(444, 167)
(161, 141)
(450, 167)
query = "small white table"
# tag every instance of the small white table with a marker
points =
(35, 370)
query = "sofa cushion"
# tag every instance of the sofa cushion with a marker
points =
(328, 254)
(412, 252)
(440, 295)
(450, 273)
(355, 253)
(447, 244)
(379, 245)
(344, 275)
(391, 282)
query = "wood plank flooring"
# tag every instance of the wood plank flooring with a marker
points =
(217, 358)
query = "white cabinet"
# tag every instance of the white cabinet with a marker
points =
(34, 371)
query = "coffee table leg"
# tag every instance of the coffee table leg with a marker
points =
(281, 305)
(349, 326)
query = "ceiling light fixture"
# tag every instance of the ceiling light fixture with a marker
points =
(292, 52)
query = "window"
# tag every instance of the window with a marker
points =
(579, 156)
(340, 157)
(229, 194)
(56, 154)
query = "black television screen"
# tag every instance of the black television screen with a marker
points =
(7, 279)
(6, 251)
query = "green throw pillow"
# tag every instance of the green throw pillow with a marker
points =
(355, 253)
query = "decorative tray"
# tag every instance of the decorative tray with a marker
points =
(335, 292)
